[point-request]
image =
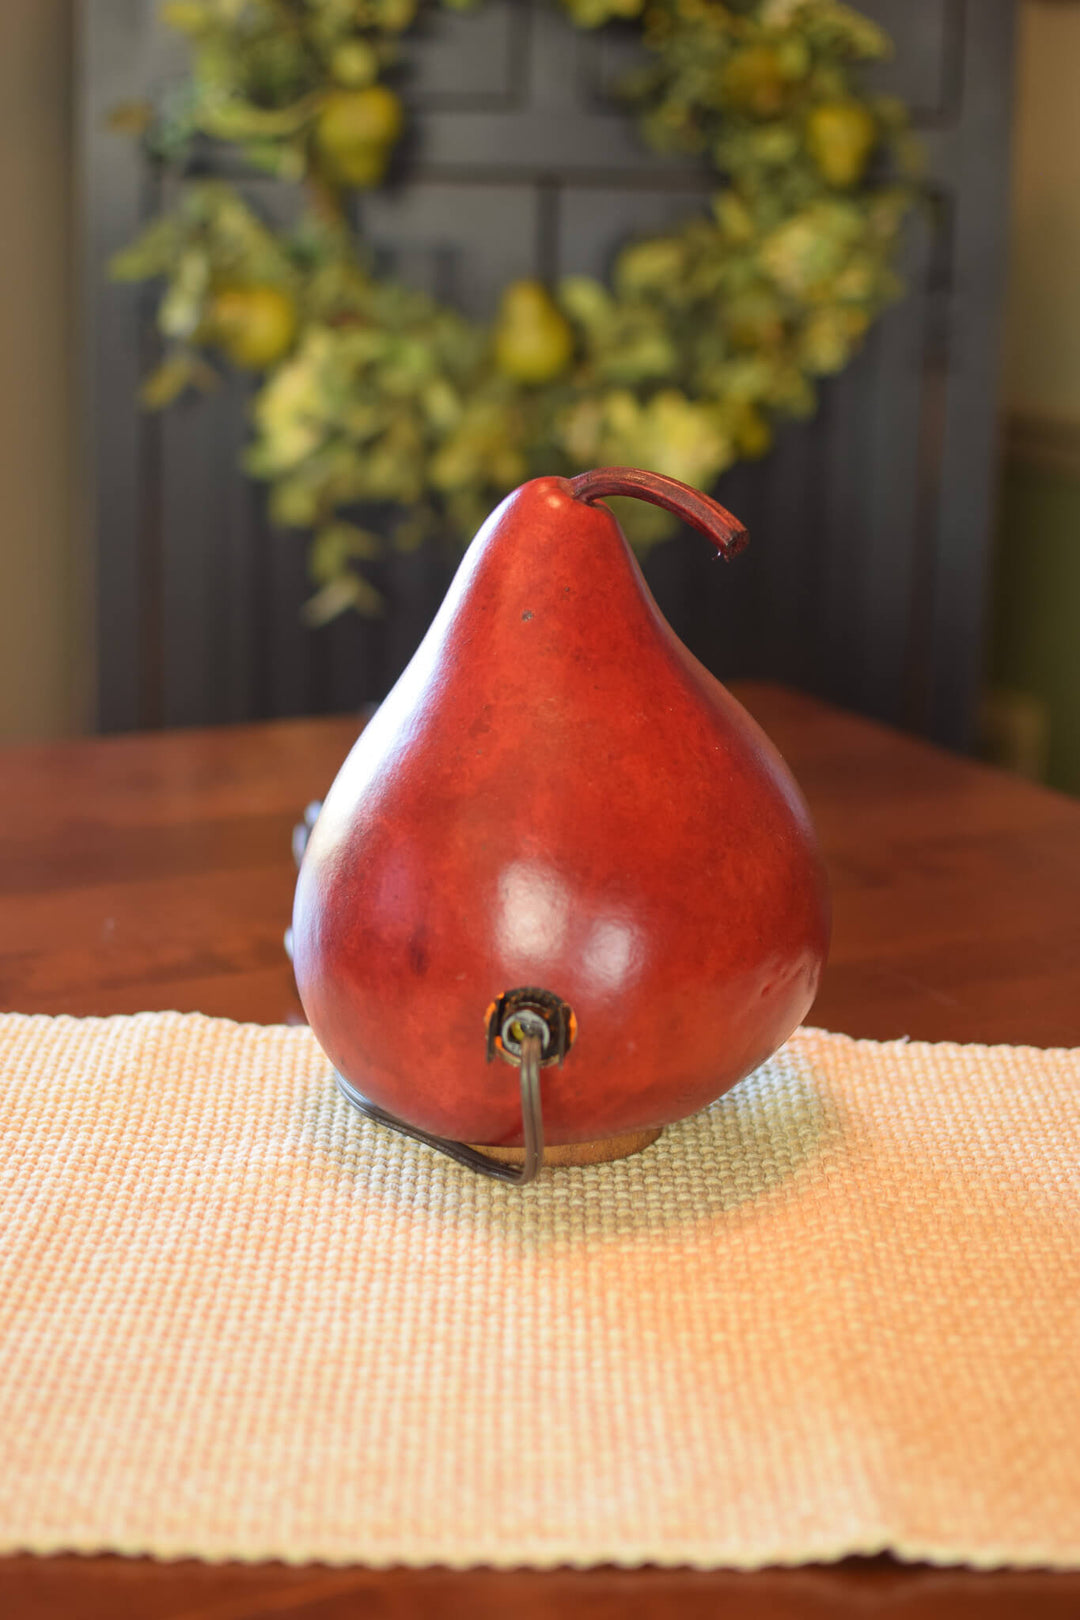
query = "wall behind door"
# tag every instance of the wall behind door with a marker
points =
(1034, 710)
(45, 677)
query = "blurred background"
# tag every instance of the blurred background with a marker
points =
(916, 547)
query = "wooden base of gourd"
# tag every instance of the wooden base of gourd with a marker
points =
(567, 1153)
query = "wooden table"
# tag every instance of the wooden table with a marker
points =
(154, 871)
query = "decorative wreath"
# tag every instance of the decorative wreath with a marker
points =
(374, 398)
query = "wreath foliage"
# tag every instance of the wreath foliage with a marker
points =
(371, 394)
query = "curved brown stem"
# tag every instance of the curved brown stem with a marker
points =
(700, 511)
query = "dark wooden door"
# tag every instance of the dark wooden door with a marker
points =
(866, 577)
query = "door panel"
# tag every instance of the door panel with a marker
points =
(866, 576)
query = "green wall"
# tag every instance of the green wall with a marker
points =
(45, 680)
(1035, 645)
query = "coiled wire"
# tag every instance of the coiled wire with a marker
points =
(532, 1121)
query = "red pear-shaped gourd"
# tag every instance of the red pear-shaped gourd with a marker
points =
(558, 795)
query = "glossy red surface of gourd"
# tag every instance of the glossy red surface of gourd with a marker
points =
(557, 794)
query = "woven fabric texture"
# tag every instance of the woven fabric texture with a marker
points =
(837, 1312)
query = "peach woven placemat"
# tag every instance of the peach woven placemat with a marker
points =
(837, 1312)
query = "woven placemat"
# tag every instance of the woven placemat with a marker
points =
(837, 1312)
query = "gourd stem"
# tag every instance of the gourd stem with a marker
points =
(703, 513)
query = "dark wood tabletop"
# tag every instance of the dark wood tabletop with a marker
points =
(154, 871)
